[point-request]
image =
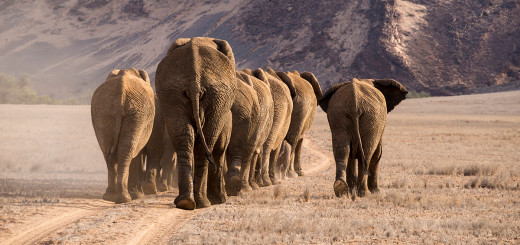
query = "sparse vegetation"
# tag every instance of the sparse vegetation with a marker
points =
(20, 91)
(444, 178)
(417, 94)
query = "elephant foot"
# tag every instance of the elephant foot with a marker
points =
(149, 188)
(362, 192)
(275, 181)
(217, 198)
(202, 202)
(245, 188)
(110, 196)
(265, 182)
(374, 190)
(161, 187)
(340, 188)
(123, 198)
(186, 203)
(254, 185)
(292, 174)
(136, 194)
(233, 186)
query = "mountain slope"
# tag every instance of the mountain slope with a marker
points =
(444, 47)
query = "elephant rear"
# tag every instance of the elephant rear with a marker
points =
(122, 111)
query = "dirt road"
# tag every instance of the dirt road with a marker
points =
(450, 172)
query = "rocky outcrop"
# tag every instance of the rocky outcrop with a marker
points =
(442, 47)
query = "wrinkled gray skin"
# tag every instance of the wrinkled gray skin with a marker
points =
(196, 85)
(284, 159)
(307, 92)
(244, 136)
(160, 155)
(122, 110)
(263, 90)
(356, 112)
(283, 107)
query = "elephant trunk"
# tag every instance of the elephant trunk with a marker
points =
(195, 101)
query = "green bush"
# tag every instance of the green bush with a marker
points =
(20, 91)
(414, 94)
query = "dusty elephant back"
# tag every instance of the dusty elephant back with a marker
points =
(304, 105)
(352, 96)
(123, 97)
(283, 108)
(265, 100)
(183, 65)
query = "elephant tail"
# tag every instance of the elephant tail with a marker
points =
(112, 151)
(195, 102)
(357, 148)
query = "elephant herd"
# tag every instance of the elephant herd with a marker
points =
(216, 131)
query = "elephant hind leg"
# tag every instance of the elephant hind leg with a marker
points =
(373, 169)
(135, 178)
(232, 176)
(253, 171)
(131, 131)
(341, 148)
(216, 191)
(297, 156)
(274, 168)
(111, 193)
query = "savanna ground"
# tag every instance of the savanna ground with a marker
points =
(450, 173)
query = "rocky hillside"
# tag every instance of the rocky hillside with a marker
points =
(438, 46)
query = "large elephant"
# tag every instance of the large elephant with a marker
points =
(307, 94)
(122, 110)
(160, 155)
(356, 111)
(196, 85)
(265, 119)
(244, 136)
(283, 108)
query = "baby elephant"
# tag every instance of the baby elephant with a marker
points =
(356, 112)
(123, 110)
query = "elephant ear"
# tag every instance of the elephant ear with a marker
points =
(244, 77)
(223, 47)
(324, 101)
(144, 76)
(314, 83)
(287, 80)
(113, 73)
(393, 91)
(179, 42)
(260, 74)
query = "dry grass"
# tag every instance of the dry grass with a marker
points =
(450, 173)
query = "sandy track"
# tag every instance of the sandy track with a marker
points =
(325, 161)
(42, 230)
(161, 230)
(164, 228)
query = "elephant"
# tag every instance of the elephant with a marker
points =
(260, 83)
(195, 84)
(245, 134)
(305, 100)
(356, 111)
(122, 110)
(283, 107)
(284, 158)
(160, 155)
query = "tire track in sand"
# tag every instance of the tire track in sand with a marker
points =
(167, 226)
(325, 163)
(38, 232)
